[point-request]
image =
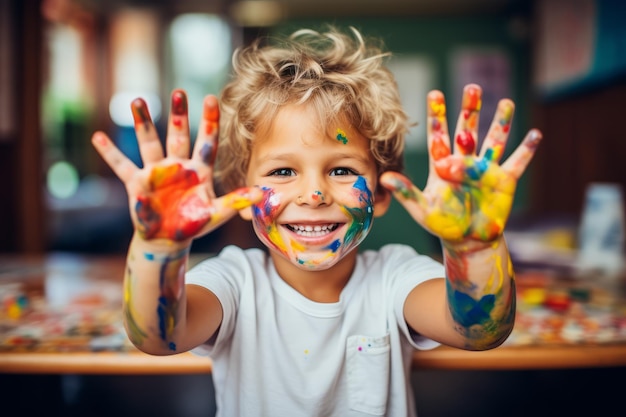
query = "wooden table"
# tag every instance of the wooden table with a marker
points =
(35, 272)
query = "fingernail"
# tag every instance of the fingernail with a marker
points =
(179, 103)
(141, 115)
(472, 98)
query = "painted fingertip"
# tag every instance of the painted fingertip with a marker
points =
(211, 114)
(533, 138)
(398, 184)
(436, 104)
(245, 197)
(179, 103)
(472, 97)
(141, 115)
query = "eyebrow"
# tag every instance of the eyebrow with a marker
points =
(337, 155)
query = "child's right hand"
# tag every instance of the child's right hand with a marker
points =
(172, 196)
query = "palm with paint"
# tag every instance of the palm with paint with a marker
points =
(172, 196)
(468, 194)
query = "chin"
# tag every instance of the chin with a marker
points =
(309, 260)
(315, 262)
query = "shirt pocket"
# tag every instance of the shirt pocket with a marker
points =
(367, 365)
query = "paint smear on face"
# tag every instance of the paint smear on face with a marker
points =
(341, 136)
(360, 214)
(317, 196)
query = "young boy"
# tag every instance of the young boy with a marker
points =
(311, 151)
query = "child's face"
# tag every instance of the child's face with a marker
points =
(319, 181)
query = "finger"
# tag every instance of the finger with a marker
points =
(518, 161)
(467, 125)
(149, 144)
(177, 143)
(225, 207)
(436, 128)
(123, 167)
(205, 148)
(442, 214)
(405, 192)
(495, 141)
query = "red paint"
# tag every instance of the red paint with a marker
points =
(172, 210)
(435, 125)
(179, 103)
(471, 99)
(466, 142)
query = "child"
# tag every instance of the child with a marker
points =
(311, 151)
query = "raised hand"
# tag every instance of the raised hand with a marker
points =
(172, 196)
(468, 195)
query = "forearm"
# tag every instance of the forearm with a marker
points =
(480, 289)
(154, 295)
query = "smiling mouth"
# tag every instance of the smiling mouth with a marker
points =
(312, 230)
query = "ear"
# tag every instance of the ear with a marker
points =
(246, 213)
(382, 200)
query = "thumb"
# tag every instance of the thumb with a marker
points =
(401, 187)
(229, 204)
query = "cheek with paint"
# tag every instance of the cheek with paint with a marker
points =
(361, 213)
(172, 210)
(264, 220)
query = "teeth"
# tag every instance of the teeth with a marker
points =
(312, 231)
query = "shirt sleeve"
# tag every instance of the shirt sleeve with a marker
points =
(407, 269)
(224, 276)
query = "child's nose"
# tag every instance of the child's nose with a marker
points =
(312, 198)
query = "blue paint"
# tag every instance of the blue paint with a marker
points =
(334, 245)
(206, 153)
(162, 313)
(467, 311)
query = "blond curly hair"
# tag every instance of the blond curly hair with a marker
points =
(337, 74)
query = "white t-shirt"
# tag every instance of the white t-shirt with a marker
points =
(279, 354)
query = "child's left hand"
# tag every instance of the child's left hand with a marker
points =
(468, 195)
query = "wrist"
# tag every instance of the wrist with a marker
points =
(469, 246)
(159, 246)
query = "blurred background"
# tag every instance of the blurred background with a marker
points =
(70, 67)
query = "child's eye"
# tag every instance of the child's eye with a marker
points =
(342, 171)
(282, 172)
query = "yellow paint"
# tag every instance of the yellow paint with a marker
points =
(445, 225)
(438, 109)
(297, 246)
(275, 237)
